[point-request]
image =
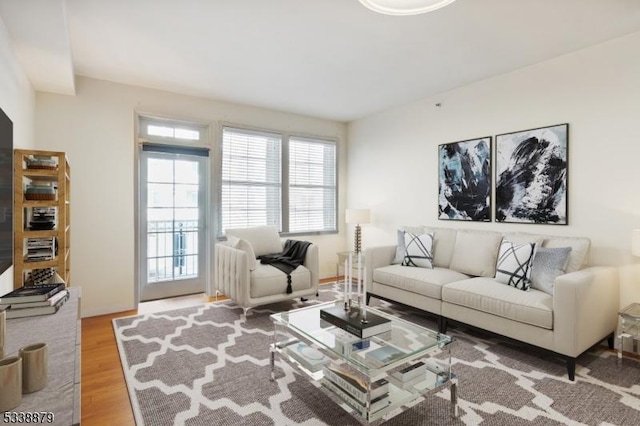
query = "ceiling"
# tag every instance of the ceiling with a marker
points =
(331, 59)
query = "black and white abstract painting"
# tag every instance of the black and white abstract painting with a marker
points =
(531, 176)
(465, 180)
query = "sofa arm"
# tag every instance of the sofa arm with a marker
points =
(585, 308)
(376, 257)
(231, 272)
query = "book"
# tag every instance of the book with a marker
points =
(354, 385)
(411, 372)
(351, 321)
(32, 293)
(32, 312)
(49, 302)
(308, 357)
(376, 404)
(384, 355)
(346, 343)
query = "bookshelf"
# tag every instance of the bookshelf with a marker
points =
(42, 222)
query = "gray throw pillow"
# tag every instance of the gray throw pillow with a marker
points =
(400, 249)
(548, 263)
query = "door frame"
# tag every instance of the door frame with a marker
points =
(205, 142)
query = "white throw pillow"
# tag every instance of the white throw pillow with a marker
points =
(514, 264)
(263, 239)
(244, 245)
(419, 250)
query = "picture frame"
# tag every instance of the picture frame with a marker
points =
(531, 175)
(464, 180)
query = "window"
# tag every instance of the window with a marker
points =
(276, 179)
(312, 185)
(250, 193)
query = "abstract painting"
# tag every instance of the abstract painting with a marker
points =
(531, 176)
(465, 180)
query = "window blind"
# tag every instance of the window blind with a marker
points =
(312, 185)
(250, 191)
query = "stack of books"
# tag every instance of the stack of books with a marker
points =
(33, 300)
(346, 383)
(40, 249)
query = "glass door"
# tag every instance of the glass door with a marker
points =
(173, 199)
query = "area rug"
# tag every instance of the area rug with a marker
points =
(209, 365)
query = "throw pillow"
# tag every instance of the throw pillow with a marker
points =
(514, 264)
(418, 250)
(244, 245)
(548, 263)
(400, 249)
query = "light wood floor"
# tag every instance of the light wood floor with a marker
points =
(105, 400)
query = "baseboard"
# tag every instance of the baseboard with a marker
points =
(106, 310)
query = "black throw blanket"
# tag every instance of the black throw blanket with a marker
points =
(287, 261)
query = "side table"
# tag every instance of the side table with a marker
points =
(629, 327)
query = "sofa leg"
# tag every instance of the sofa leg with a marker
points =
(442, 324)
(571, 368)
(367, 298)
(303, 299)
(611, 340)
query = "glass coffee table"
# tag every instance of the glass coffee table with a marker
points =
(368, 377)
(629, 327)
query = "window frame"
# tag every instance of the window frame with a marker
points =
(284, 183)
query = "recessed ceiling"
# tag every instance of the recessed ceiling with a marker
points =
(332, 59)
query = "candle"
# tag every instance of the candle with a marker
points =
(346, 292)
(359, 296)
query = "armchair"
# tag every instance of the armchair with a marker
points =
(240, 276)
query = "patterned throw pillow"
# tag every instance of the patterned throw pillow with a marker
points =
(514, 264)
(548, 264)
(419, 250)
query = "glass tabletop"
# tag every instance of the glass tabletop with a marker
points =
(405, 341)
(631, 312)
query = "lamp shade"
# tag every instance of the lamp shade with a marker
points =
(357, 216)
(635, 242)
(404, 7)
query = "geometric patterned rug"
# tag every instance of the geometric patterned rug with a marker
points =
(208, 365)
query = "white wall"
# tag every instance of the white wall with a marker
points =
(17, 99)
(96, 129)
(393, 162)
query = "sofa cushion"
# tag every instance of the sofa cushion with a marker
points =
(444, 241)
(427, 282)
(476, 252)
(263, 239)
(579, 256)
(523, 237)
(548, 264)
(418, 250)
(244, 245)
(487, 295)
(514, 264)
(268, 281)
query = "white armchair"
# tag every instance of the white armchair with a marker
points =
(240, 276)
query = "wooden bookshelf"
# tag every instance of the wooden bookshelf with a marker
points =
(58, 177)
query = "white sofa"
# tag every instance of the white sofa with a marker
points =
(240, 276)
(579, 311)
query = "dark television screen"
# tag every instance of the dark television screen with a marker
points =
(6, 192)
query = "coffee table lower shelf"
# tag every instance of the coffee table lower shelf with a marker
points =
(400, 394)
